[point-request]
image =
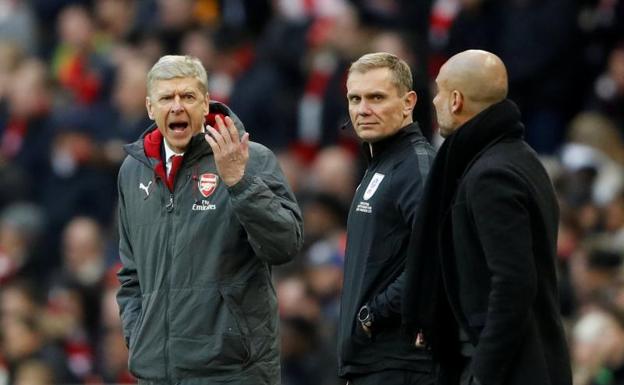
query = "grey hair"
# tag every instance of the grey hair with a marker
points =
(399, 69)
(177, 66)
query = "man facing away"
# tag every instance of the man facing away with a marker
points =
(371, 347)
(481, 277)
(202, 218)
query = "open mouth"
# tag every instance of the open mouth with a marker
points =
(178, 126)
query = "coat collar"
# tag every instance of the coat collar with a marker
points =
(391, 142)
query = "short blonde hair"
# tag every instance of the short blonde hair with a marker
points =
(399, 69)
(177, 66)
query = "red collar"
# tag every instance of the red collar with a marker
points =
(151, 144)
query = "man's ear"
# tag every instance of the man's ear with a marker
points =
(148, 107)
(207, 104)
(409, 102)
(457, 102)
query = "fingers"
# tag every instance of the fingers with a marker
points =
(216, 149)
(225, 142)
(232, 129)
(224, 132)
(245, 143)
(214, 136)
(227, 129)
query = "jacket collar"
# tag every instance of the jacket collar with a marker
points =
(496, 122)
(392, 142)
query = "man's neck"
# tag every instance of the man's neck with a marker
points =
(169, 152)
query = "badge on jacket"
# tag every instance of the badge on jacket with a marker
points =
(207, 184)
(372, 185)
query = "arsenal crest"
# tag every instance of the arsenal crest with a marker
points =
(207, 184)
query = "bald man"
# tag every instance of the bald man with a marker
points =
(485, 298)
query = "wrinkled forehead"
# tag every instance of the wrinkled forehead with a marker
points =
(178, 84)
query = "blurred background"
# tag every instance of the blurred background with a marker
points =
(72, 91)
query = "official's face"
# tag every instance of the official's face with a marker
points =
(178, 106)
(376, 107)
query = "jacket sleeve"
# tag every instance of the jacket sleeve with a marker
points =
(267, 209)
(499, 205)
(129, 294)
(387, 304)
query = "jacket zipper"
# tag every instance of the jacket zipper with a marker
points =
(169, 208)
(172, 239)
(169, 205)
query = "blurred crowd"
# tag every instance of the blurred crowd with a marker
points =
(72, 92)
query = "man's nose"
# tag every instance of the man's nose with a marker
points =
(363, 108)
(176, 106)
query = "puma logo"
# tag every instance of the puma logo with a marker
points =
(146, 188)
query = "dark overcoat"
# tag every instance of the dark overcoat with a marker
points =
(497, 236)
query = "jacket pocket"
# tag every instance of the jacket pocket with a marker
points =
(207, 355)
(207, 335)
(146, 354)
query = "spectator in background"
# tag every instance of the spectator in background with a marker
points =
(25, 131)
(174, 19)
(594, 268)
(77, 185)
(334, 172)
(296, 299)
(64, 323)
(34, 372)
(80, 66)
(594, 142)
(371, 347)
(83, 272)
(115, 20)
(598, 347)
(127, 119)
(305, 361)
(22, 252)
(11, 55)
(18, 25)
(324, 273)
(608, 95)
(199, 43)
(24, 340)
(20, 298)
(111, 350)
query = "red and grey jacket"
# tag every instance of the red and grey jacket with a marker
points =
(196, 297)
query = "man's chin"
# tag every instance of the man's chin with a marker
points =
(179, 145)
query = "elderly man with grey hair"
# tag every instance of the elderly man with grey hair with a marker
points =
(203, 215)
